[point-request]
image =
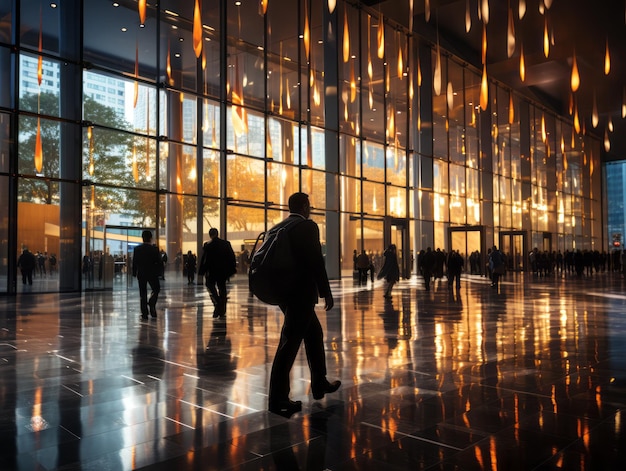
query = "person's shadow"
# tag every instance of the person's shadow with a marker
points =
(148, 355)
(216, 357)
(391, 323)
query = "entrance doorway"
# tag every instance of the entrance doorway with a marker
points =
(108, 265)
(396, 232)
(513, 246)
(469, 242)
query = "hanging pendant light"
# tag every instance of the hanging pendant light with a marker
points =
(352, 83)
(485, 11)
(607, 59)
(400, 56)
(468, 17)
(607, 141)
(331, 5)
(437, 74)
(306, 36)
(40, 49)
(263, 6)
(381, 38)
(135, 169)
(483, 47)
(136, 83)
(38, 148)
(575, 79)
(544, 136)
(370, 67)
(511, 108)
(197, 29)
(410, 15)
(547, 3)
(522, 63)
(419, 74)
(484, 90)
(450, 96)
(624, 102)
(141, 6)
(610, 124)
(546, 37)
(510, 35)
(576, 120)
(427, 10)
(594, 111)
(346, 37)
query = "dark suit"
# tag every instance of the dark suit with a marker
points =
(147, 268)
(218, 263)
(301, 322)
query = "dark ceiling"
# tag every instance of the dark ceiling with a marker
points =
(580, 26)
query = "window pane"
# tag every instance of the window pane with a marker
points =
(246, 179)
(373, 161)
(211, 124)
(282, 181)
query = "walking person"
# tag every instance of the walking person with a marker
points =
(427, 266)
(218, 264)
(301, 322)
(147, 267)
(390, 271)
(496, 264)
(26, 263)
(455, 267)
(190, 267)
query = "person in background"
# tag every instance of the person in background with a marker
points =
(390, 271)
(496, 264)
(147, 267)
(27, 263)
(190, 267)
(218, 264)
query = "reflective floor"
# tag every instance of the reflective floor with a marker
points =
(532, 376)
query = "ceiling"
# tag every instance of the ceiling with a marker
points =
(579, 26)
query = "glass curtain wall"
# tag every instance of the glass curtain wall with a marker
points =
(177, 123)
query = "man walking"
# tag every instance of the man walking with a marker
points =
(301, 322)
(218, 264)
(147, 266)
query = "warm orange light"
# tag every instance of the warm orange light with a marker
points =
(38, 148)
(575, 80)
(419, 73)
(136, 84)
(40, 58)
(346, 37)
(485, 11)
(607, 142)
(546, 37)
(468, 17)
(381, 38)
(352, 84)
(522, 9)
(168, 66)
(594, 111)
(484, 44)
(576, 120)
(331, 5)
(450, 96)
(197, 29)
(543, 128)
(484, 90)
(400, 58)
(263, 5)
(437, 73)
(306, 35)
(141, 6)
(607, 59)
(511, 109)
(510, 35)
(427, 10)
(134, 163)
(522, 64)
(239, 114)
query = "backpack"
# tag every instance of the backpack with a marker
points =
(270, 276)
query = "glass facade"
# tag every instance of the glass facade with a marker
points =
(110, 124)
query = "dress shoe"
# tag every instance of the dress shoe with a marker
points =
(285, 408)
(327, 389)
(144, 317)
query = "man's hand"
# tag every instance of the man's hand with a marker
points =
(329, 302)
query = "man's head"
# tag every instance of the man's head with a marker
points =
(146, 236)
(213, 233)
(299, 204)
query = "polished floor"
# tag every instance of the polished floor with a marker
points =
(531, 376)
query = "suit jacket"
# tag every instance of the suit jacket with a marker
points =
(311, 279)
(218, 259)
(147, 261)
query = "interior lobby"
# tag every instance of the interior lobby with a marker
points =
(456, 125)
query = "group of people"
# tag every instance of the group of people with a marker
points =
(31, 264)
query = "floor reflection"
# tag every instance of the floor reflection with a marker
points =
(532, 376)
